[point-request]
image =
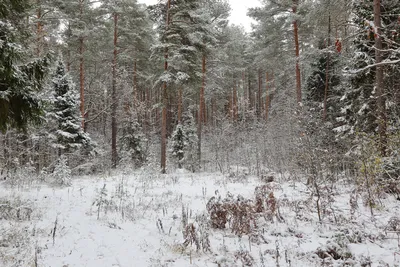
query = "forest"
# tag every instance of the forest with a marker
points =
(198, 141)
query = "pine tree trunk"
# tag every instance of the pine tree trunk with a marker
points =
(266, 97)
(164, 108)
(250, 91)
(381, 101)
(296, 42)
(81, 72)
(39, 28)
(180, 105)
(327, 69)
(235, 103)
(259, 102)
(114, 155)
(201, 105)
(68, 49)
(135, 87)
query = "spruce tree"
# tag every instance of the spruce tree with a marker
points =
(133, 142)
(20, 79)
(359, 100)
(68, 133)
(183, 143)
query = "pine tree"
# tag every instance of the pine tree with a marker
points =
(68, 133)
(20, 79)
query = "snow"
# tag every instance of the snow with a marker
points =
(127, 232)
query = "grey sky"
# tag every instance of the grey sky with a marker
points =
(238, 13)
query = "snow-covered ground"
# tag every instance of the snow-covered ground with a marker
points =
(135, 219)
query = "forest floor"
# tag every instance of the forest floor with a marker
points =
(135, 219)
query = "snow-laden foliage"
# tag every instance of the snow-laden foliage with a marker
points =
(66, 130)
(183, 144)
(134, 144)
(21, 76)
(62, 173)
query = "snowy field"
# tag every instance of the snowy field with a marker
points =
(137, 219)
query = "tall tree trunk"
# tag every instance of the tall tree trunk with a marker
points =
(165, 103)
(68, 48)
(327, 67)
(114, 155)
(266, 97)
(201, 105)
(250, 94)
(39, 28)
(296, 42)
(381, 101)
(81, 71)
(259, 102)
(180, 104)
(135, 87)
(235, 103)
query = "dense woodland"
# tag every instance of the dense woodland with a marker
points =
(166, 136)
(312, 90)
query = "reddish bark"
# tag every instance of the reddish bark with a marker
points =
(165, 103)
(266, 97)
(296, 42)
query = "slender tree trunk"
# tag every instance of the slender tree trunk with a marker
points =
(381, 101)
(114, 155)
(259, 102)
(266, 97)
(135, 87)
(81, 71)
(235, 103)
(39, 28)
(201, 105)
(68, 49)
(180, 104)
(164, 108)
(328, 58)
(250, 91)
(296, 42)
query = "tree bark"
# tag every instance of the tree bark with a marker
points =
(327, 68)
(259, 102)
(81, 71)
(180, 104)
(250, 94)
(266, 97)
(135, 87)
(201, 107)
(114, 155)
(68, 49)
(165, 103)
(39, 28)
(296, 42)
(381, 101)
(235, 103)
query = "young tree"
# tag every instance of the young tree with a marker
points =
(68, 133)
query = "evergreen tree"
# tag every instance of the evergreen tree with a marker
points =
(178, 144)
(68, 133)
(359, 100)
(133, 142)
(20, 79)
(183, 143)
